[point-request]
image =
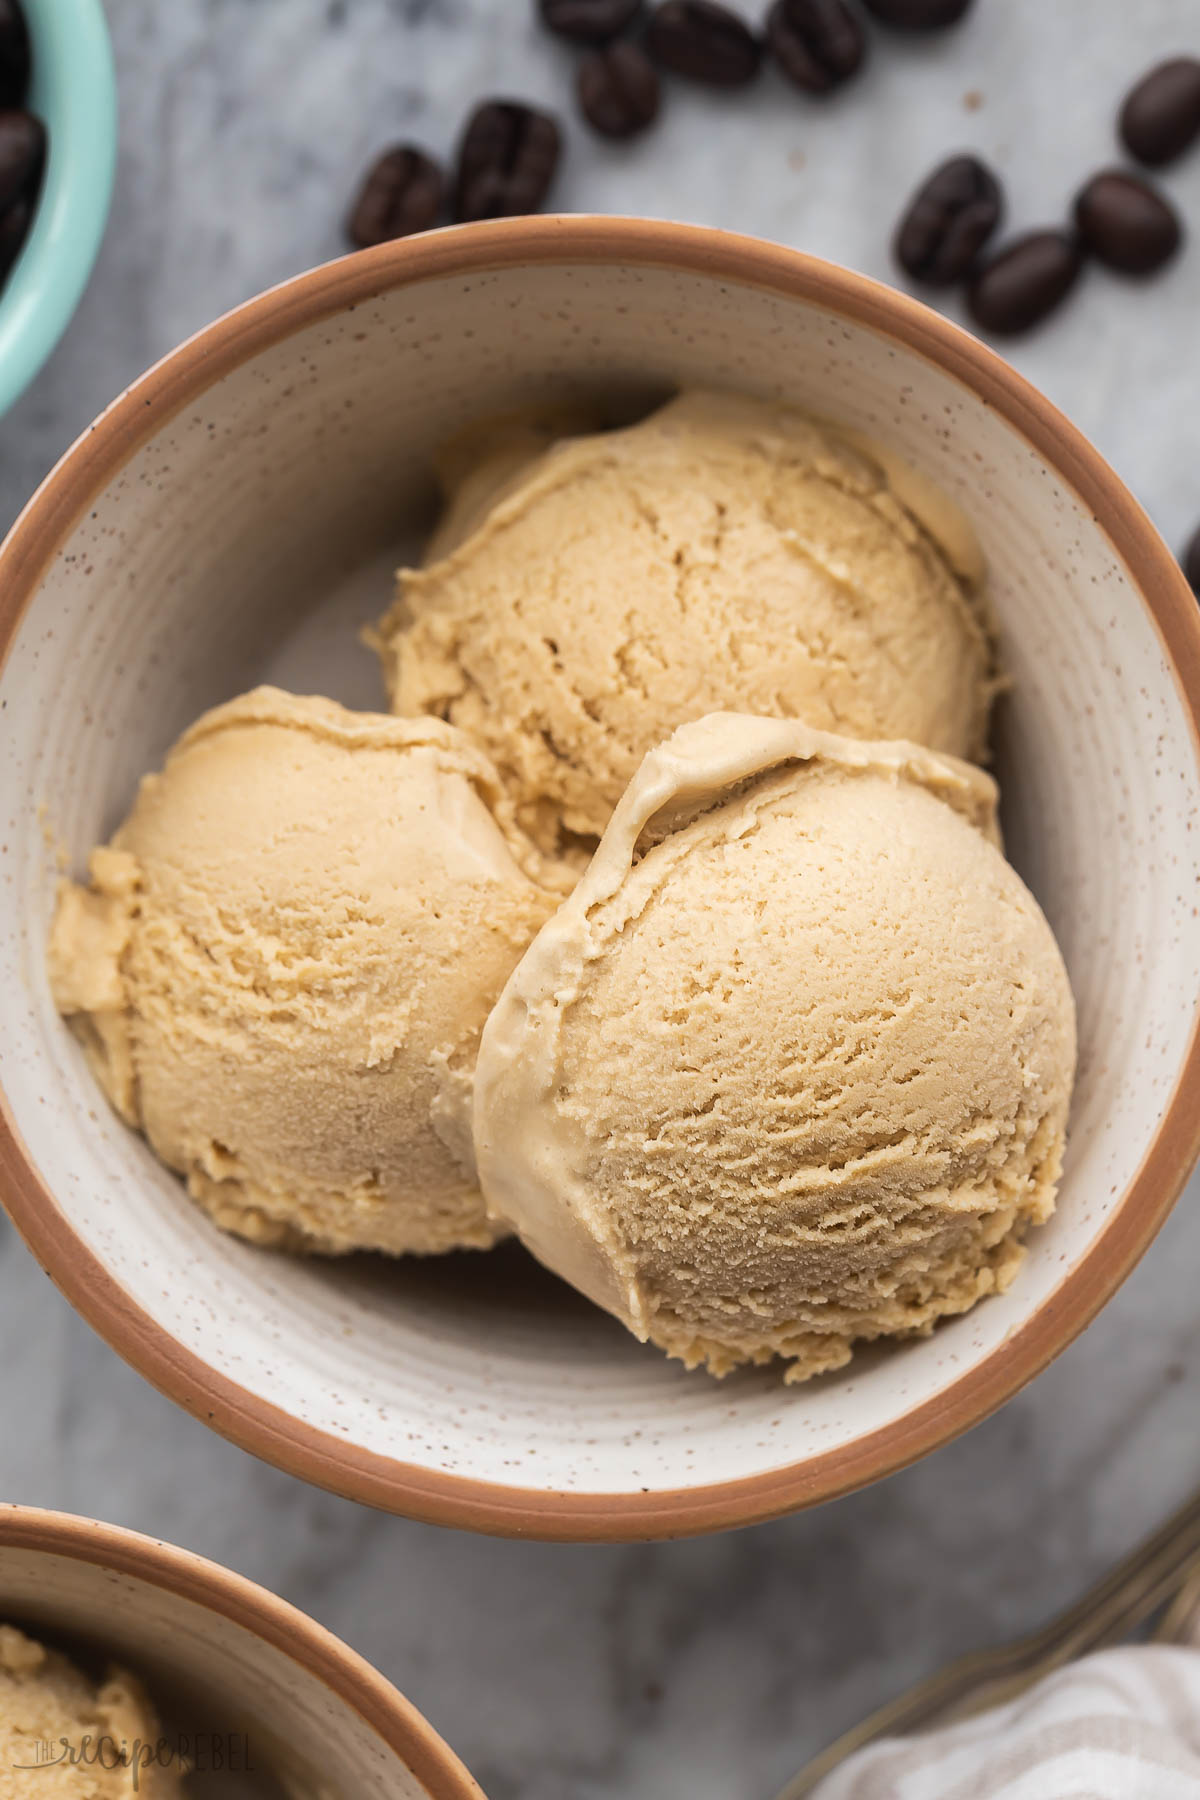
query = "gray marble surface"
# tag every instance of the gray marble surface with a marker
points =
(706, 1670)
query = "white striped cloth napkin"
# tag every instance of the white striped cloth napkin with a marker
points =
(1119, 1725)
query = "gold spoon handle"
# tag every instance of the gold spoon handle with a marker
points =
(1163, 1574)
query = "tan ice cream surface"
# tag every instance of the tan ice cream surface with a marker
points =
(723, 553)
(480, 466)
(48, 1708)
(283, 962)
(791, 1068)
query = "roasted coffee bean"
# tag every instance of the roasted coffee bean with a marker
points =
(918, 15)
(14, 228)
(402, 193)
(1025, 282)
(618, 90)
(506, 161)
(1191, 560)
(817, 43)
(14, 55)
(589, 21)
(1160, 117)
(703, 41)
(948, 221)
(1124, 222)
(22, 150)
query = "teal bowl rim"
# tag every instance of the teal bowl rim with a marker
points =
(75, 91)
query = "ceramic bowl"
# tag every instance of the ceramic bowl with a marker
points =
(235, 515)
(74, 90)
(251, 1681)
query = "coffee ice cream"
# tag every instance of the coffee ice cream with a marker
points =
(723, 553)
(63, 1734)
(790, 1069)
(283, 961)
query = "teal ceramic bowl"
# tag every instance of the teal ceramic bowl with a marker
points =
(75, 92)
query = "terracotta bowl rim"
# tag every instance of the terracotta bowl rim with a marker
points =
(265, 1615)
(432, 1495)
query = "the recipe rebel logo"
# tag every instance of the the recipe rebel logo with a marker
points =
(195, 1752)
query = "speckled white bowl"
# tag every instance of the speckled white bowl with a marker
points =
(227, 1664)
(232, 517)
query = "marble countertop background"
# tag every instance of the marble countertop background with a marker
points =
(706, 1670)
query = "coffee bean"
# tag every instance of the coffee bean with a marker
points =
(402, 193)
(618, 90)
(1160, 117)
(918, 15)
(948, 221)
(589, 21)
(22, 150)
(1124, 222)
(1025, 282)
(703, 41)
(14, 228)
(1191, 560)
(507, 160)
(817, 43)
(14, 55)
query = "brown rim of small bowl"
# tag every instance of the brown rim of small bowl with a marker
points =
(342, 1670)
(432, 1495)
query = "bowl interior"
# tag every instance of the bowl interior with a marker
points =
(248, 538)
(279, 1728)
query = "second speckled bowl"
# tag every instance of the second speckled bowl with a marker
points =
(269, 1701)
(234, 516)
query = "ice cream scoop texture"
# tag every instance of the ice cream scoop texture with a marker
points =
(790, 1070)
(283, 960)
(723, 553)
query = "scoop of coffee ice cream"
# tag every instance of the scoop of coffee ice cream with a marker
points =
(282, 965)
(62, 1734)
(791, 1067)
(723, 553)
